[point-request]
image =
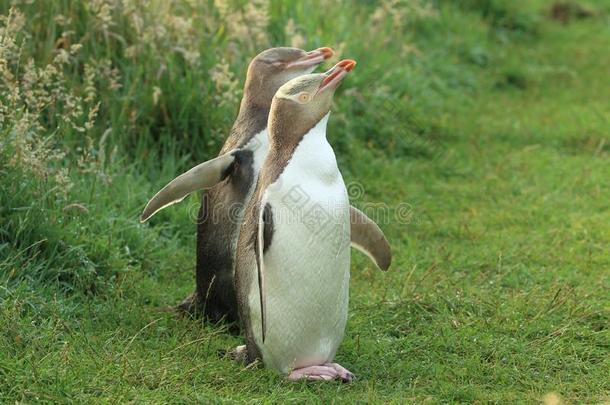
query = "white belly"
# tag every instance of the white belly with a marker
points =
(259, 145)
(307, 265)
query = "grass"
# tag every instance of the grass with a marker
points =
(487, 139)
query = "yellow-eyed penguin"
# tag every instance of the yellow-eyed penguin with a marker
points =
(230, 179)
(293, 253)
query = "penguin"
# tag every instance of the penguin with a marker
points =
(230, 179)
(293, 253)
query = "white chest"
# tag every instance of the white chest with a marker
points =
(307, 264)
(259, 145)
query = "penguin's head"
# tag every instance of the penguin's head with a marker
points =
(270, 69)
(304, 101)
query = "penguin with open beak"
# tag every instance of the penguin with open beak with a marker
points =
(230, 179)
(293, 254)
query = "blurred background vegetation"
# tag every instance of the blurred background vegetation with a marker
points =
(103, 101)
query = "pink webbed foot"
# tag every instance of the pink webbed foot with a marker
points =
(325, 372)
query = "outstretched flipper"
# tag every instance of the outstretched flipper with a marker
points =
(202, 176)
(264, 235)
(369, 239)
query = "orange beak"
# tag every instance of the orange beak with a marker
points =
(335, 75)
(312, 58)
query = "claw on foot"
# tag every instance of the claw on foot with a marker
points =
(189, 306)
(324, 372)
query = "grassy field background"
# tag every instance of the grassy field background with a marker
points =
(482, 125)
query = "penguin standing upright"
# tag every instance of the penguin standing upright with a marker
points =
(231, 178)
(293, 253)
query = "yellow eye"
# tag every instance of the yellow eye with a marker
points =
(304, 97)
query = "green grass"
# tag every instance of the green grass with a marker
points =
(494, 133)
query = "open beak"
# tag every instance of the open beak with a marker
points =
(335, 75)
(312, 58)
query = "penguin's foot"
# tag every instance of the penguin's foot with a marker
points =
(189, 306)
(239, 354)
(324, 372)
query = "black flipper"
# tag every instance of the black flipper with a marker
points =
(262, 243)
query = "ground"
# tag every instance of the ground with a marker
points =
(499, 288)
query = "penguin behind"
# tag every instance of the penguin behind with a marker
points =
(230, 179)
(293, 254)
